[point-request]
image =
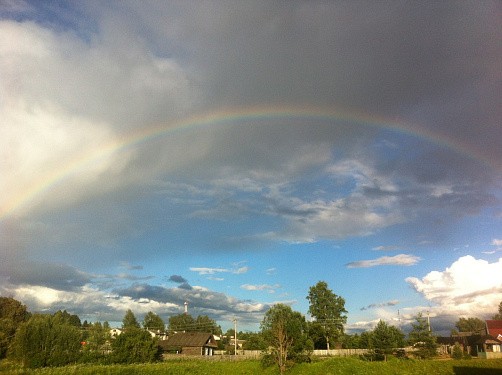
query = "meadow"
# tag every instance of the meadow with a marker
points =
(333, 366)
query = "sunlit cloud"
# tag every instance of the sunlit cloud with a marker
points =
(397, 260)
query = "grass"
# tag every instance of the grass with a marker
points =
(334, 366)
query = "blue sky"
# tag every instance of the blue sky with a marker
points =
(354, 143)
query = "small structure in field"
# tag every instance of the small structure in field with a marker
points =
(189, 343)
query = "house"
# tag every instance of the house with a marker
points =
(157, 334)
(494, 328)
(189, 343)
(114, 332)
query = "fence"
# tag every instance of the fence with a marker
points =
(339, 352)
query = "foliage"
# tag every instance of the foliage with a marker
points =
(129, 320)
(457, 351)
(153, 322)
(499, 315)
(285, 332)
(181, 322)
(422, 338)
(186, 322)
(385, 338)
(64, 317)
(12, 314)
(135, 345)
(328, 309)
(45, 340)
(253, 340)
(203, 323)
(96, 343)
(470, 324)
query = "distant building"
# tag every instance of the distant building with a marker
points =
(486, 343)
(189, 343)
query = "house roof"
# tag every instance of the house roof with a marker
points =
(494, 327)
(190, 339)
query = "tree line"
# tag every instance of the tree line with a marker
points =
(285, 336)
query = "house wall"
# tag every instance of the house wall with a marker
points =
(489, 355)
(192, 350)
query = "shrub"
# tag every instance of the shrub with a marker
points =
(457, 351)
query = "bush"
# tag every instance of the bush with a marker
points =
(457, 351)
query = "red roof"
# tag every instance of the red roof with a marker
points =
(494, 327)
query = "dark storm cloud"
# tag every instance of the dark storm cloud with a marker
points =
(382, 304)
(52, 275)
(198, 298)
(177, 279)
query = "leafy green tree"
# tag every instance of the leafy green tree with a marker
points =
(135, 345)
(285, 332)
(365, 341)
(181, 322)
(253, 340)
(153, 322)
(203, 323)
(44, 340)
(385, 338)
(67, 318)
(328, 309)
(130, 320)
(96, 343)
(422, 338)
(12, 314)
(470, 324)
(499, 315)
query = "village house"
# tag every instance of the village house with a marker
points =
(189, 343)
(485, 343)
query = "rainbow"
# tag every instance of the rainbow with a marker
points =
(234, 115)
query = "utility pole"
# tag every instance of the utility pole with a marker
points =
(235, 336)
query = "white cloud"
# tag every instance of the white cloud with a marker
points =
(208, 270)
(386, 248)
(497, 242)
(212, 271)
(261, 287)
(64, 104)
(397, 260)
(469, 285)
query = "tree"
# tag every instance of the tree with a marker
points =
(470, 324)
(129, 320)
(181, 323)
(285, 332)
(253, 340)
(153, 322)
(385, 338)
(422, 338)
(67, 318)
(327, 308)
(203, 323)
(96, 342)
(499, 315)
(46, 341)
(134, 346)
(12, 314)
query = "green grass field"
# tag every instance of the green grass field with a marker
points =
(342, 366)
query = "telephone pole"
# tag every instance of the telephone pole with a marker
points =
(235, 336)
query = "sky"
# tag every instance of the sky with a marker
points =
(232, 154)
